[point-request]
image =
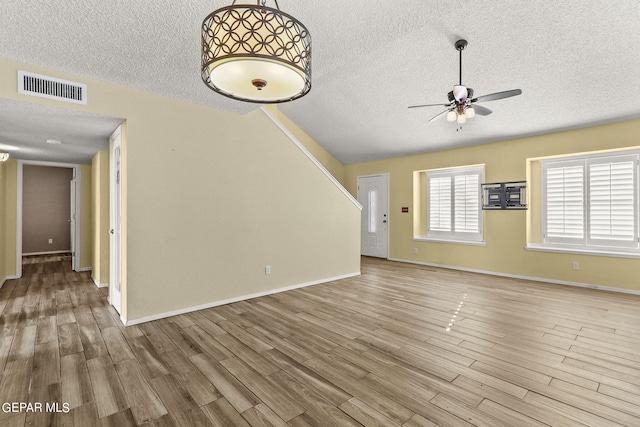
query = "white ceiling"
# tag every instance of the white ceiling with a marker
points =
(576, 61)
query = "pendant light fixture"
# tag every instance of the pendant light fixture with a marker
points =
(256, 53)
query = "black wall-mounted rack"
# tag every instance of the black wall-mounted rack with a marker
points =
(504, 195)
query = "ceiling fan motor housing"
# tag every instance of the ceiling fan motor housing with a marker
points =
(452, 98)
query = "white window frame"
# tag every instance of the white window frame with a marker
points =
(455, 235)
(587, 243)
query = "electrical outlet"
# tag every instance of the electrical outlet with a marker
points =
(576, 265)
(267, 269)
(415, 250)
(50, 241)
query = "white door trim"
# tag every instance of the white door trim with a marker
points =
(386, 229)
(77, 177)
(115, 236)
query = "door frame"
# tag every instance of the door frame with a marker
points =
(77, 178)
(386, 235)
(115, 253)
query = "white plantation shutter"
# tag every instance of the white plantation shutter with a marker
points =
(591, 202)
(612, 199)
(454, 206)
(440, 204)
(467, 204)
(565, 202)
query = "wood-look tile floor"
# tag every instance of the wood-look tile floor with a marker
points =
(401, 345)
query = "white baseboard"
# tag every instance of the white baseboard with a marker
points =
(517, 276)
(232, 300)
(79, 270)
(48, 253)
(3, 281)
(98, 284)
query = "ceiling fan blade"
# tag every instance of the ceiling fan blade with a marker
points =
(497, 95)
(437, 116)
(429, 105)
(481, 111)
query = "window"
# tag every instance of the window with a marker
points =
(591, 203)
(454, 206)
(373, 211)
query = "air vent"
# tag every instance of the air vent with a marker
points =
(52, 88)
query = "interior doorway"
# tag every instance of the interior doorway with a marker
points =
(48, 210)
(373, 195)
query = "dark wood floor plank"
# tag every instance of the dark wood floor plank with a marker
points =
(386, 406)
(144, 402)
(14, 386)
(74, 378)
(262, 415)
(304, 375)
(223, 414)
(92, 341)
(150, 361)
(275, 397)
(196, 384)
(247, 354)
(174, 397)
(69, 339)
(318, 411)
(238, 395)
(46, 364)
(107, 388)
(116, 344)
(23, 344)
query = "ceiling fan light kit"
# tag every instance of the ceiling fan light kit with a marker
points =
(256, 53)
(461, 101)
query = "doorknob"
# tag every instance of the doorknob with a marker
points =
(111, 231)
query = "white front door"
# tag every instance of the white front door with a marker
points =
(115, 192)
(373, 195)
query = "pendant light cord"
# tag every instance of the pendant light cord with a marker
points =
(264, 3)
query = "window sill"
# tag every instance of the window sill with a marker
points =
(455, 242)
(579, 251)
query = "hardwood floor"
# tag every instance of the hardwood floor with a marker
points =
(401, 345)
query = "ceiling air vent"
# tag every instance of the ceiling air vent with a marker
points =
(52, 88)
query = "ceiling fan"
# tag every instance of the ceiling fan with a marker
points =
(462, 105)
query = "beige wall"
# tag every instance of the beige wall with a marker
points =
(100, 217)
(3, 221)
(217, 208)
(211, 199)
(8, 199)
(506, 232)
(86, 247)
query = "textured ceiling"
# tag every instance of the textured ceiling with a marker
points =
(576, 62)
(25, 128)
